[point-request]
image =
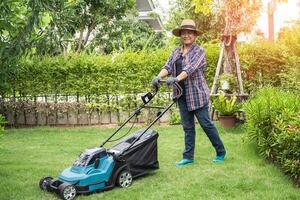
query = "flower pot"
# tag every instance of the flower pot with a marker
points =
(227, 121)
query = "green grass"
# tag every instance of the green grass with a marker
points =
(28, 154)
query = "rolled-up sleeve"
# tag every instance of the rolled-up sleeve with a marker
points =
(196, 60)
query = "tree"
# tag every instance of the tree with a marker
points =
(98, 25)
(20, 22)
(97, 14)
(240, 16)
(126, 35)
(209, 24)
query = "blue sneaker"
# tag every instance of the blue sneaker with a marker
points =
(219, 158)
(184, 162)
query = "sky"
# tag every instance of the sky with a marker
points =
(284, 13)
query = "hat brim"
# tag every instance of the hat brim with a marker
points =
(176, 31)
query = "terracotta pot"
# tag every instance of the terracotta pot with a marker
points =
(227, 121)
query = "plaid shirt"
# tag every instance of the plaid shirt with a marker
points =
(194, 64)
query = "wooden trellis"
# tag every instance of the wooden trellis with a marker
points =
(228, 44)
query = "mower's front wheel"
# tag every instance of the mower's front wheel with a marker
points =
(125, 179)
(45, 182)
(67, 191)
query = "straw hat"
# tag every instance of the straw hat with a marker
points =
(186, 24)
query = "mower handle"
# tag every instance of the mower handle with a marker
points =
(177, 86)
(146, 99)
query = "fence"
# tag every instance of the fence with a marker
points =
(76, 109)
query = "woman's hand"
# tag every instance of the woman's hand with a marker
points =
(156, 80)
(171, 80)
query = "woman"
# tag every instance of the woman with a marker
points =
(186, 66)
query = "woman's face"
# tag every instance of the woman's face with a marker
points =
(188, 37)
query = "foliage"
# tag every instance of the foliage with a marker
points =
(19, 28)
(87, 18)
(107, 82)
(239, 15)
(225, 106)
(174, 117)
(273, 123)
(262, 63)
(290, 76)
(227, 80)
(92, 75)
(212, 51)
(208, 25)
(2, 122)
(203, 6)
(59, 26)
(126, 35)
(76, 22)
(290, 37)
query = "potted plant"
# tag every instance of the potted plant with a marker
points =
(226, 83)
(226, 107)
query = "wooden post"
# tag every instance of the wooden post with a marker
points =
(24, 111)
(67, 100)
(56, 114)
(47, 110)
(118, 110)
(238, 69)
(35, 111)
(78, 111)
(15, 110)
(218, 70)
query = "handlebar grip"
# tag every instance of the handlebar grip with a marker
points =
(176, 85)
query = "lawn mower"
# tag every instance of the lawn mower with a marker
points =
(99, 169)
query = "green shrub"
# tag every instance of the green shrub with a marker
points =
(90, 74)
(261, 63)
(212, 51)
(290, 37)
(2, 122)
(273, 122)
(290, 78)
(174, 117)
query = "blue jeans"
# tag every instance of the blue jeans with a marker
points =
(188, 123)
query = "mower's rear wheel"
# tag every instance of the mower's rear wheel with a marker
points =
(125, 179)
(67, 191)
(45, 183)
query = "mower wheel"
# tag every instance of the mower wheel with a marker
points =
(124, 179)
(45, 182)
(67, 191)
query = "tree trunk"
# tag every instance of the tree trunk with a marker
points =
(229, 64)
(90, 29)
(80, 40)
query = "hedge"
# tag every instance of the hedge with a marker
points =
(85, 74)
(273, 123)
(131, 72)
(266, 63)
